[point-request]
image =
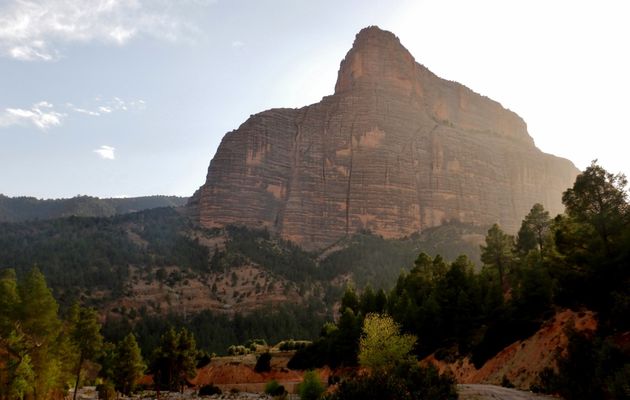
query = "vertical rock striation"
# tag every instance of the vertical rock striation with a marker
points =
(395, 149)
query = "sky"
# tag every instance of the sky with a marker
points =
(114, 98)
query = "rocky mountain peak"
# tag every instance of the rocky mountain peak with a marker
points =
(395, 150)
(377, 59)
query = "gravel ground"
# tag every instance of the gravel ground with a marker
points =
(488, 392)
(466, 392)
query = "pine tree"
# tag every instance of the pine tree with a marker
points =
(350, 300)
(175, 359)
(187, 351)
(86, 336)
(16, 374)
(40, 324)
(9, 301)
(498, 251)
(535, 231)
(128, 364)
(599, 199)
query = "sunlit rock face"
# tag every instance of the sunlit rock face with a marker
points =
(395, 149)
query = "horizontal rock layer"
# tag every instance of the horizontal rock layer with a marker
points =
(396, 149)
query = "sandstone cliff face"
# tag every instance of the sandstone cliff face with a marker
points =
(395, 150)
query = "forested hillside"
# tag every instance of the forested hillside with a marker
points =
(147, 269)
(16, 209)
(94, 256)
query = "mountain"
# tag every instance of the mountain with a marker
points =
(17, 209)
(394, 150)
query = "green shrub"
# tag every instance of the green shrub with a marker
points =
(505, 382)
(407, 381)
(106, 391)
(311, 387)
(263, 364)
(238, 350)
(209, 390)
(259, 342)
(288, 345)
(273, 388)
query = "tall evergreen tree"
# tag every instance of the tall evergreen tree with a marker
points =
(367, 300)
(128, 365)
(86, 335)
(535, 231)
(498, 251)
(599, 198)
(350, 300)
(16, 373)
(175, 358)
(41, 327)
(9, 301)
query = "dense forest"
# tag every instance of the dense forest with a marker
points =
(82, 255)
(45, 352)
(17, 209)
(577, 260)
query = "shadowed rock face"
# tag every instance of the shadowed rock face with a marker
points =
(396, 149)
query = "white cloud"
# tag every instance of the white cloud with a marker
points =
(106, 152)
(33, 30)
(41, 114)
(35, 51)
(88, 112)
(237, 44)
(108, 107)
(118, 104)
(121, 35)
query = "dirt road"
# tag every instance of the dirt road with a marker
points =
(488, 392)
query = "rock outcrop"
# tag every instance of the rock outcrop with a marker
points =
(395, 150)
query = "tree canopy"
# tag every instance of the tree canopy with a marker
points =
(86, 335)
(600, 199)
(382, 346)
(128, 364)
(175, 359)
(498, 251)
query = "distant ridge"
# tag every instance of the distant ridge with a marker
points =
(18, 209)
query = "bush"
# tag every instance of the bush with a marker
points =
(256, 342)
(311, 387)
(203, 358)
(288, 345)
(369, 387)
(106, 391)
(238, 350)
(273, 388)
(407, 381)
(263, 364)
(505, 382)
(209, 390)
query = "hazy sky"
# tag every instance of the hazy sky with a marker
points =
(127, 98)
